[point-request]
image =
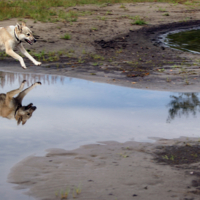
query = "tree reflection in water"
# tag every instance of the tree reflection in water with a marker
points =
(183, 104)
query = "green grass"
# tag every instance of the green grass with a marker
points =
(45, 11)
(139, 22)
(66, 37)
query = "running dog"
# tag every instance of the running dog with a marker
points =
(12, 37)
(11, 107)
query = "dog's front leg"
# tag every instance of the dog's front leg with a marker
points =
(23, 50)
(16, 56)
(22, 94)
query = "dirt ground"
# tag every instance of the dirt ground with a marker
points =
(106, 47)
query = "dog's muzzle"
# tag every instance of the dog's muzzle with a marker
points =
(35, 40)
(28, 41)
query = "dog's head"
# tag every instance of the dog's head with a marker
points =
(24, 113)
(24, 33)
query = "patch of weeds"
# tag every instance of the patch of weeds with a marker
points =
(119, 51)
(83, 51)
(66, 37)
(3, 55)
(185, 19)
(71, 51)
(92, 74)
(124, 155)
(123, 6)
(109, 13)
(62, 194)
(78, 189)
(178, 155)
(60, 53)
(168, 80)
(70, 16)
(166, 14)
(94, 29)
(95, 64)
(57, 65)
(186, 81)
(175, 66)
(138, 21)
(162, 9)
(39, 56)
(97, 57)
(189, 3)
(80, 60)
(102, 18)
(170, 62)
(130, 62)
(169, 158)
(161, 70)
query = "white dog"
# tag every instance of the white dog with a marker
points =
(13, 36)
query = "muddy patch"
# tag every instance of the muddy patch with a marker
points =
(185, 156)
(177, 155)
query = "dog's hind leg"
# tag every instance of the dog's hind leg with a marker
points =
(22, 94)
(23, 50)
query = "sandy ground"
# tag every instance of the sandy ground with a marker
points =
(108, 170)
(132, 57)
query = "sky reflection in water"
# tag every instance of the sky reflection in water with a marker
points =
(72, 112)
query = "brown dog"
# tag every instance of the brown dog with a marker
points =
(13, 36)
(11, 107)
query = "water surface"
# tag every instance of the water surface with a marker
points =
(187, 40)
(73, 112)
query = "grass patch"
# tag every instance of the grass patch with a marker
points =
(54, 10)
(166, 14)
(139, 22)
(47, 56)
(66, 37)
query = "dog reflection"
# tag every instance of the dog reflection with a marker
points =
(11, 107)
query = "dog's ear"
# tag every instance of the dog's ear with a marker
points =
(19, 27)
(19, 120)
(23, 24)
(24, 122)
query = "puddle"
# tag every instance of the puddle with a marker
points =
(72, 112)
(185, 40)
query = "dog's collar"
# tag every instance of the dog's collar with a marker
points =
(17, 110)
(17, 37)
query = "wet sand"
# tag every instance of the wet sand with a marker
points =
(108, 170)
(112, 170)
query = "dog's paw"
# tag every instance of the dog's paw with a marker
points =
(24, 66)
(37, 63)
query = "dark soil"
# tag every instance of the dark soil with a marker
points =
(177, 155)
